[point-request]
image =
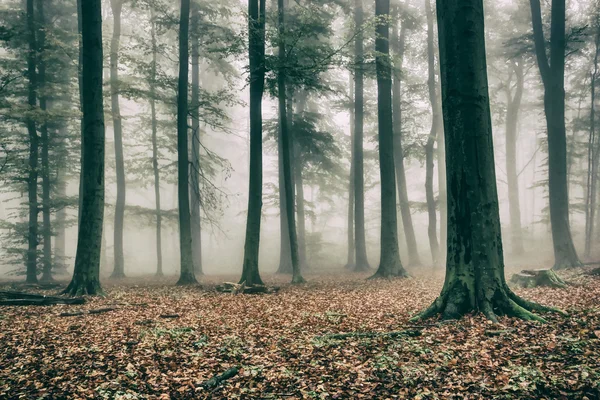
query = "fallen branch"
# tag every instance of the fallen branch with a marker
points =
(216, 380)
(238, 288)
(78, 313)
(102, 310)
(170, 316)
(45, 301)
(341, 336)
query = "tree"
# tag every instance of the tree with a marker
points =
(86, 277)
(350, 263)
(552, 71)
(433, 135)
(513, 98)
(119, 268)
(361, 264)
(195, 141)
(286, 147)
(187, 276)
(475, 265)
(389, 264)
(398, 45)
(256, 54)
(32, 237)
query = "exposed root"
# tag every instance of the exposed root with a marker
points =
(298, 279)
(83, 288)
(530, 305)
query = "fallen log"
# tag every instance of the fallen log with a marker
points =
(44, 301)
(71, 314)
(216, 380)
(101, 310)
(235, 288)
(530, 278)
(349, 335)
(594, 272)
(170, 316)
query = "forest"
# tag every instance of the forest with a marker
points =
(299, 199)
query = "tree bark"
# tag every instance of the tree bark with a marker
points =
(119, 267)
(45, 141)
(298, 180)
(512, 177)
(552, 72)
(86, 277)
(187, 276)
(32, 235)
(159, 265)
(256, 53)
(475, 266)
(286, 147)
(407, 223)
(362, 263)
(433, 133)
(195, 173)
(389, 264)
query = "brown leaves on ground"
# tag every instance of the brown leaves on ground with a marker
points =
(279, 343)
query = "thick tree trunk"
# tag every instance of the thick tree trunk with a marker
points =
(256, 53)
(159, 266)
(286, 147)
(362, 263)
(553, 76)
(512, 177)
(389, 264)
(475, 266)
(45, 139)
(350, 263)
(407, 223)
(80, 87)
(86, 277)
(430, 145)
(32, 233)
(285, 253)
(186, 276)
(195, 173)
(298, 180)
(119, 267)
(61, 216)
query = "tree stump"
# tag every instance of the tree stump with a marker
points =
(530, 278)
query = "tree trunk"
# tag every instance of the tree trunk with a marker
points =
(286, 146)
(553, 76)
(362, 263)
(430, 145)
(350, 264)
(86, 277)
(159, 266)
(512, 177)
(298, 181)
(45, 141)
(186, 276)
(285, 253)
(33, 148)
(409, 230)
(256, 53)
(80, 87)
(119, 267)
(593, 150)
(389, 264)
(195, 173)
(475, 266)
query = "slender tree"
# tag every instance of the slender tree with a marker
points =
(286, 146)
(86, 277)
(362, 263)
(350, 264)
(398, 45)
(513, 99)
(389, 264)
(186, 276)
(195, 173)
(256, 53)
(433, 134)
(155, 169)
(552, 71)
(32, 236)
(119, 268)
(475, 265)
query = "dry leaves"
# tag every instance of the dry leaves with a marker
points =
(280, 343)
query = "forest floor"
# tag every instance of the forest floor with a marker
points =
(279, 343)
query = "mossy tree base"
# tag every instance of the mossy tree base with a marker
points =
(81, 286)
(538, 277)
(298, 279)
(117, 275)
(187, 279)
(390, 268)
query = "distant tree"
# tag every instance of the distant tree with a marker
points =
(552, 71)
(389, 264)
(256, 54)
(475, 265)
(86, 277)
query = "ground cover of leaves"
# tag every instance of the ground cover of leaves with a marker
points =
(277, 342)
